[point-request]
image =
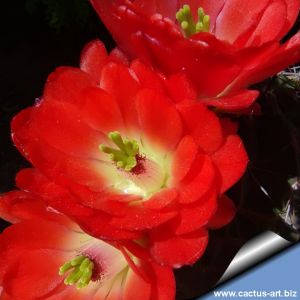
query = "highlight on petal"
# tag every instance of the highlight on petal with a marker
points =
(93, 58)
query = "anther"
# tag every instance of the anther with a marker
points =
(125, 156)
(185, 18)
(80, 271)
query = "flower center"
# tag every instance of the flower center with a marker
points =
(185, 18)
(126, 156)
(139, 170)
(81, 271)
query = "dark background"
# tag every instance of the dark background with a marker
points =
(39, 35)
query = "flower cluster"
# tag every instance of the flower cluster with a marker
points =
(129, 164)
(240, 45)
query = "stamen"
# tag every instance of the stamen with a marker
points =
(185, 18)
(125, 156)
(81, 271)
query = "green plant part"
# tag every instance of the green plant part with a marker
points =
(125, 156)
(81, 271)
(185, 18)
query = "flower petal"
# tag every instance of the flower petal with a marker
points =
(183, 158)
(136, 288)
(231, 161)
(101, 111)
(286, 55)
(18, 206)
(232, 20)
(148, 78)
(66, 85)
(180, 88)
(52, 162)
(93, 221)
(162, 199)
(202, 125)
(233, 102)
(119, 81)
(198, 181)
(159, 120)
(93, 58)
(224, 214)
(175, 251)
(138, 217)
(42, 279)
(195, 215)
(271, 24)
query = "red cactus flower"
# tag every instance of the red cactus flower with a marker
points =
(45, 256)
(223, 46)
(115, 153)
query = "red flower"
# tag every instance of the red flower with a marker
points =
(117, 155)
(234, 44)
(42, 243)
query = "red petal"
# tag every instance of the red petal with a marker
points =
(202, 125)
(270, 25)
(186, 54)
(18, 206)
(139, 217)
(229, 127)
(224, 214)
(232, 22)
(93, 221)
(117, 80)
(196, 215)
(183, 158)
(275, 62)
(135, 287)
(233, 102)
(58, 237)
(34, 274)
(65, 129)
(165, 288)
(52, 162)
(292, 9)
(66, 84)
(93, 58)
(231, 161)
(159, 120)
(118, 56)
(148, 78)
(198, 181)
(176, 251)
(161, 199)
(101, 111)
(180, 88)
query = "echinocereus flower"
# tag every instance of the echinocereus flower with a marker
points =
(223, 46)
(46, 256)
(115, 152)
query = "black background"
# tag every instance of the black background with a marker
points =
(31, 49)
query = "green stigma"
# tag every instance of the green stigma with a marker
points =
(185, 18)
(81, 271)
(125, 156)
